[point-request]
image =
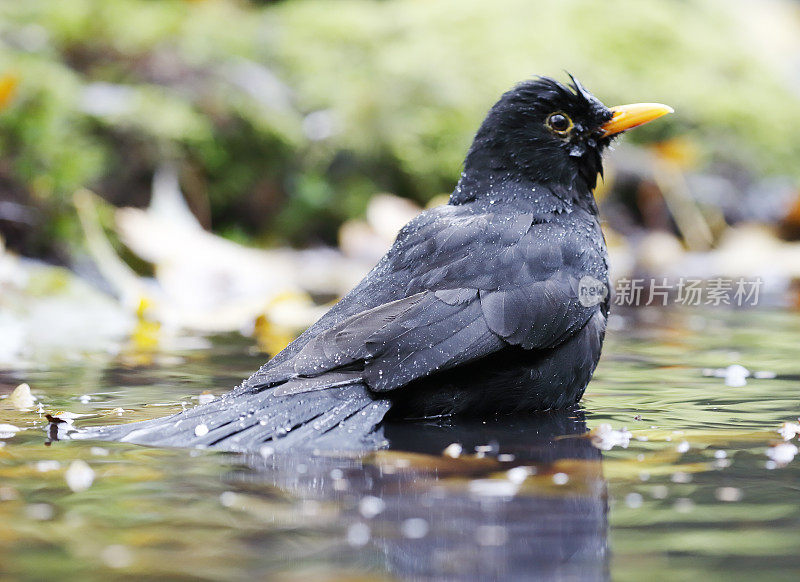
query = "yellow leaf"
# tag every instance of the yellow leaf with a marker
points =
(8, 88)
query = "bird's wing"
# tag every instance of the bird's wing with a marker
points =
(478, 291)
(528, 276)
(391, 345)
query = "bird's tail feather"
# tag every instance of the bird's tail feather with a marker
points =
(339, 418)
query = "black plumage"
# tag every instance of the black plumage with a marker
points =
(475, 310)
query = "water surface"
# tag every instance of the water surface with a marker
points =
(692, 493)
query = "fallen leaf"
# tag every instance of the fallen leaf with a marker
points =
(8, 430)
(21, 398)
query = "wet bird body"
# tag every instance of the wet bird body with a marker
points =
(475, 310)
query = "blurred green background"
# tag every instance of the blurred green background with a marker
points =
(285, 118)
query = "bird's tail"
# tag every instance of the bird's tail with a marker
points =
(340, 418)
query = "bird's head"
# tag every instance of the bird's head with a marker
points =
(550, 133)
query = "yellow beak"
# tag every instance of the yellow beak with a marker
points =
(630, 116)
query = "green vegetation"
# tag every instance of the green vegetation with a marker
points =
(285, 118)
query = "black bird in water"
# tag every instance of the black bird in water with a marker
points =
(495, 303)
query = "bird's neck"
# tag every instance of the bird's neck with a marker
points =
(545, 198)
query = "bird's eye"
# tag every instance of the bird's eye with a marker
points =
(559, 123)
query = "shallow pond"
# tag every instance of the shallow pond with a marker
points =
(697, 489)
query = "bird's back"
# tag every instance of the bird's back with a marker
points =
(483, 246)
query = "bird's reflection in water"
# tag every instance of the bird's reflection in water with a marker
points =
(525, 500)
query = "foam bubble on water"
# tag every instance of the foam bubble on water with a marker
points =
(493, 488)
(782, 454)
(491, 535)
(728, 494)
(228, 498)
(414, 528)
(370, 506)
(358, 534)
(45, 466)
(633, 500)
(789, 430)
(39, 511)
(205, 398)
(117, 556)
(681, 477)
(605, 437)
(660, 492)
(518, 474)
(79, 476)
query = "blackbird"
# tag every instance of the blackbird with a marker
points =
(495, 303)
